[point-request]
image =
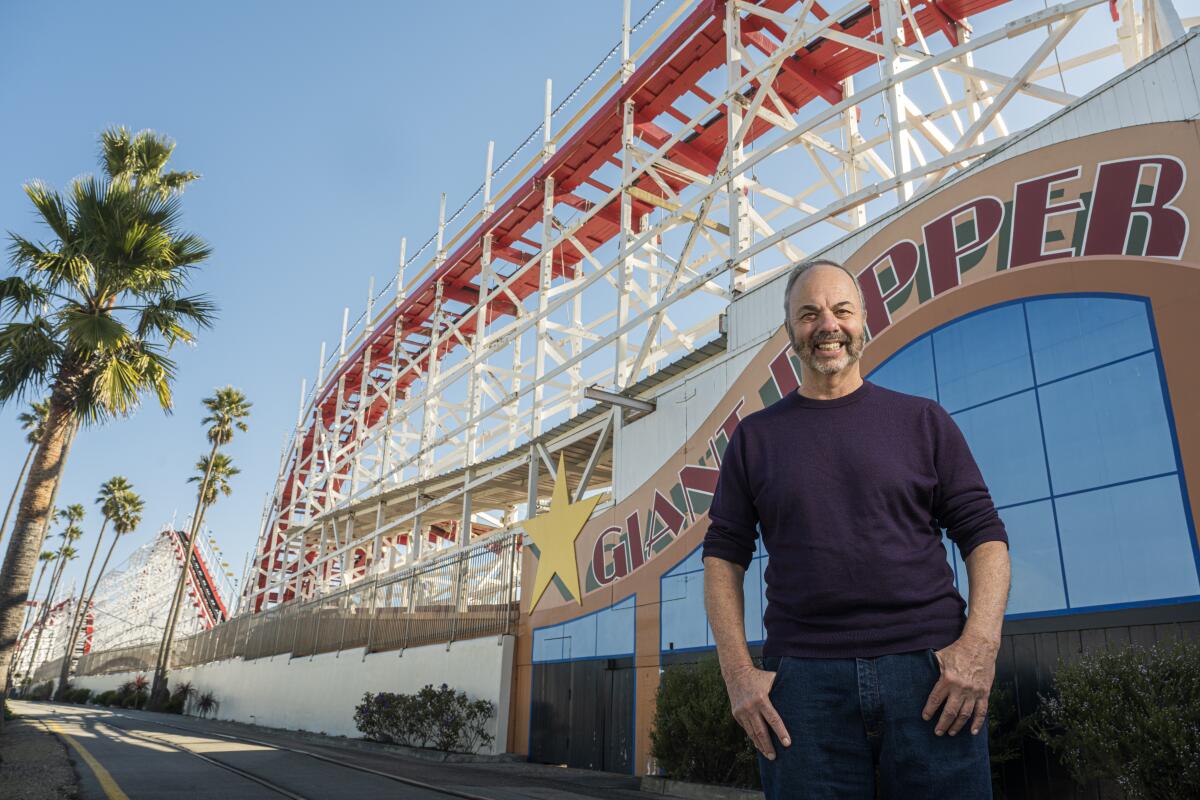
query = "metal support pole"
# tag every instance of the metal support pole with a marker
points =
(739, 203)
(892, 33)
(624, 269)
(430, 401)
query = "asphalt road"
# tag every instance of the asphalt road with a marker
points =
(134, 755)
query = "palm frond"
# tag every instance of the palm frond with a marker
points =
(167, 315)
(34, 420)
(52, 208)
(29, 354)
(188, 250)
(115, 151)
(21, 296)
(114, 382)
(93, 331)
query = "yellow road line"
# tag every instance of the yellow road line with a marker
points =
(111, 790)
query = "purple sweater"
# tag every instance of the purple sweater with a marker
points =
(851, 496)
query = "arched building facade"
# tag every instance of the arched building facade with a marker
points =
(1047, 299)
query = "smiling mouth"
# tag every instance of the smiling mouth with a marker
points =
(830, 347)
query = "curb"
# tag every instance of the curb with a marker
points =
(696, 791)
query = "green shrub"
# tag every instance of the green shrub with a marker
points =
(695, 737)
(207, 703)
(132, 694)
(42, 691)
(179, 698)
(1131, 716)
(440, 718)
(4, 709)
(80, 695)
(105, 698)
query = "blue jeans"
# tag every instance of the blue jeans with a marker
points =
(853, 721)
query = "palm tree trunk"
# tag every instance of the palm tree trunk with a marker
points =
(33, 513)
(158, 690)
(36, 588)
(17, 488)
(30, 612)
(47, 607)
(100, 574)
(76, 618)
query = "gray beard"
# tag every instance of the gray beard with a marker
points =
(852, 354)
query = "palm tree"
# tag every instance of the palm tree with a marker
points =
(125, 514)
(91, 316)
(227, 411)
(72, 515)
(33, 421)
(111, 498)
(219, 469)
(46, 556)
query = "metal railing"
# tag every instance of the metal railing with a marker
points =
(131, 658)
(468, 594)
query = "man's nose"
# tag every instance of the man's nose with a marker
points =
(828, 322)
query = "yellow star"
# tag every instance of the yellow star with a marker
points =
(555, 533)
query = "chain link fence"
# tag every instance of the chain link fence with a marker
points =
(465, 595)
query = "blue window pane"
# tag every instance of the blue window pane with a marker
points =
(1007, 444)
(579, 637)
(1033, 549)
(683, 621)
(1127, 543)
(1107, 426)
(752, 611)
(615, 629)
(1071, 334)
(762, 592)
(693, 561)
(951, 557)
(548, 644)
(909, 371)
(982, 357)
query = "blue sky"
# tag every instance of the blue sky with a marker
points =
(323, 132)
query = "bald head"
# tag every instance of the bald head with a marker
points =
(804, 268)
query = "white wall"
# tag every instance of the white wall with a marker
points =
(645, 444)
(319, 694)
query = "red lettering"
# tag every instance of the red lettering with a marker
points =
(1031, 210)
(784, 373)
(942, 249)
(903, 257)
(672, 519)
(698, 479)
(600, 564)
(637, 551)
(1115, 205)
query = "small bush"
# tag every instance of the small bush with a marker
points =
(1131, 716)
(80, 695)
(42, 691)
(132, 694)
(207, 703)
(4, 709)
(695, 737)
(179, 698)
(440, 718)
(105, 698)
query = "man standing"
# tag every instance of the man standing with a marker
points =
(870, 669)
